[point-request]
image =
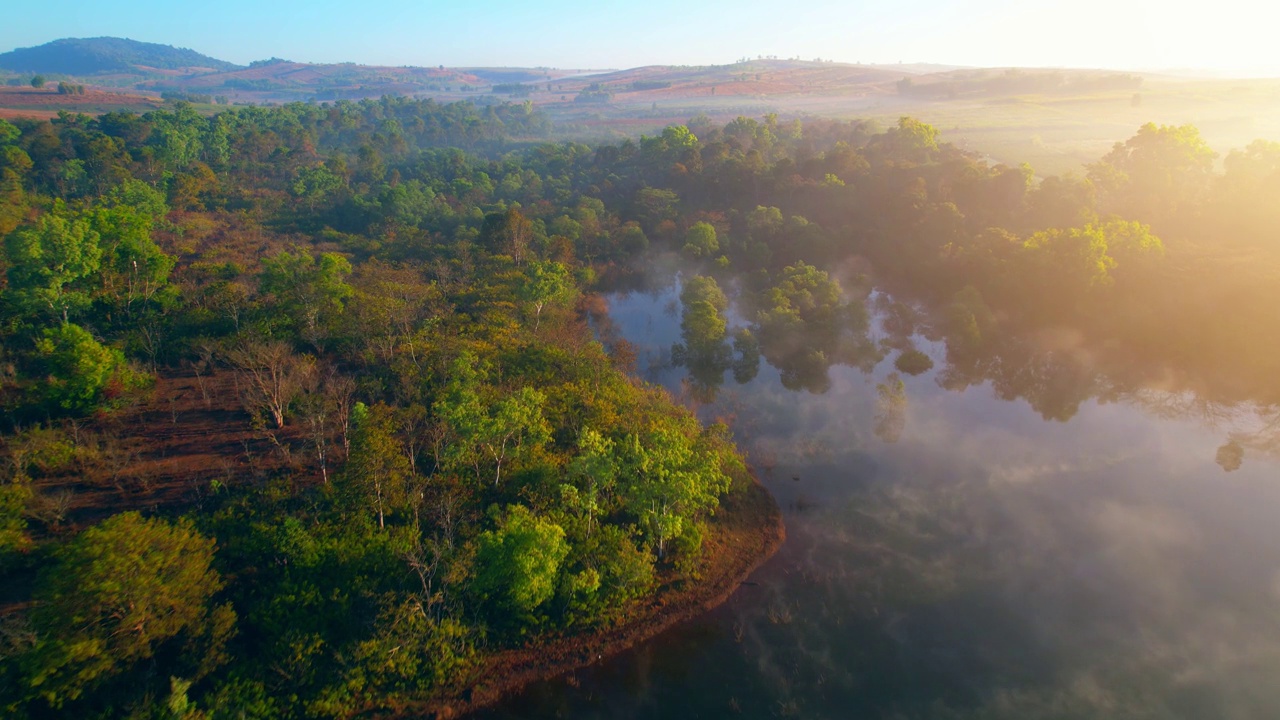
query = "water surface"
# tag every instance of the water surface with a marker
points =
(952, 554)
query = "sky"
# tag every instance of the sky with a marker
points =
(1226, 36)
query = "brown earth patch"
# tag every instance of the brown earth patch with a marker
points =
(44, 103)
(188, 438)
(16, 114)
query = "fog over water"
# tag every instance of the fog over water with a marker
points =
(954, 555)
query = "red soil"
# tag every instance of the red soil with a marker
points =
(171, 451)
(44, 103)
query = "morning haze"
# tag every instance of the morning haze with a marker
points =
(639, 360)
(1227, 37)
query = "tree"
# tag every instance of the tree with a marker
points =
(134, 267)
(545, 282)
(51, 264)
(517, 562)
(15, 164)
(700, 241)
(79, 371)
(1155, 175)
(803, 294)
(176, 136)
(490, 433)
(913, 362)
(377, 469)
(311, 291)
(37, 81)
(115, 596)
(315, 185)
(655, 205)
(15, 494)
(388, 306)
(514, 426)
(410, 651)
(668, 477)
(1075, 263)
(911, 140)
(891, 408)
(593, 476)
(509, 233)
(703, 323)
(1061, 201)
(270, 377)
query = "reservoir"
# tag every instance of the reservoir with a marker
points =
(1040, 539)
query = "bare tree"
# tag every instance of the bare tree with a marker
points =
(270, 376)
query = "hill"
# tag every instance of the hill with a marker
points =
(105, 55)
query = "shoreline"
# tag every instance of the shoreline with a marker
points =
(746, 532)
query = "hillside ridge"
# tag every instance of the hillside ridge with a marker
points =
(105, 55)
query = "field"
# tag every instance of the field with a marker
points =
(47, 101)
(1056, 121)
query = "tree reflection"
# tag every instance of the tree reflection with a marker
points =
(1230, 456)
(891, 408)
(804, 324)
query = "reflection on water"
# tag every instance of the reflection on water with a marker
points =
(1012, 534)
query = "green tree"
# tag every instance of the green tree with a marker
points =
(668, 477)
(134, 267)
(517, 562)
(411, 652)
(593, 478)
(377, 469)
(654, 206)
(80, 373)
(15, 494)
(315, 185)
(1073, 264)
(51, 265)
(15, 164)
(311, 291)
(545, 282)
(176, 136)
(9, 134)
(911, 140)
(1157, 174)
(115, 596)
(703, 326)
(700, 241)
(490, 433)
(804, 295)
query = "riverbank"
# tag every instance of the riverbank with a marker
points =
(747, 531)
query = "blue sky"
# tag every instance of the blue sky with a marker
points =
(1227, 35)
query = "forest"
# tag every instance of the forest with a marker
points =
(313, 410)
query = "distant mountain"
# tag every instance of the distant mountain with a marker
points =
(105, 55)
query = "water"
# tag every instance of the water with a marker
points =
(966, 558)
